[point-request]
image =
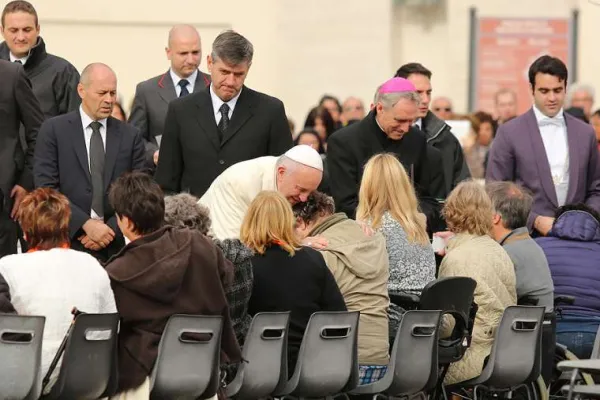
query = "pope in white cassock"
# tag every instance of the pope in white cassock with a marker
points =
(296, 174)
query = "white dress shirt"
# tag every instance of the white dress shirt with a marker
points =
(23, 60)
(554, 136)
(191, 81)
(419, 123)
(87, 134)
(217, 103)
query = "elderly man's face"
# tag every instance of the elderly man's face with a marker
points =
(583, 100)
(298, 182)
(442, 108)
(397, 120)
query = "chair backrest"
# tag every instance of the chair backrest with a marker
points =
(414, 360)
(265, 357)
(89, 357)
(516, 348)
(596, 350)
(20, 356)
(327, 362)
(188, 358)
(454, 296)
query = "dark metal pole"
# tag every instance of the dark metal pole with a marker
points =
(574, 42)
(472, 57)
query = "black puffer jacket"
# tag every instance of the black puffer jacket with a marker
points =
(54, 79)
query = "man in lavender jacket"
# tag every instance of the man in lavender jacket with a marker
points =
(551, 153)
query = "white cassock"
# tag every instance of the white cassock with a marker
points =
(230, 195)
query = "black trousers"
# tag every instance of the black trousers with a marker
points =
(8, 227)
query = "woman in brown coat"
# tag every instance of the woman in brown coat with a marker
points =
(161, 272)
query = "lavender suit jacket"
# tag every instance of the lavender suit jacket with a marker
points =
(518, 154)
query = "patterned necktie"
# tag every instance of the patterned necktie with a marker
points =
(97, 169)
(224, 122)
(183, 85)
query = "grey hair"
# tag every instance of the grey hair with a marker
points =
(579, 87)
(389, 100)
(183, 211)
(232, 48)
(511, 201)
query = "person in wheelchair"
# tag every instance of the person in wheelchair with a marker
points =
(359, 264)
(512, 205)
(573, 251)
(387, 202)
(471, 252)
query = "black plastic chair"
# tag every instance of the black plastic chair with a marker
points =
(410, 370)
(187, 365)
(454, 296)
(265, 355)
(327, 361)
(21, 356)
(89, 358)
(515, 358)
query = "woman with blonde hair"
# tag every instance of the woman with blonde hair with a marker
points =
(287, 277)
(471, 252)
(388, 203)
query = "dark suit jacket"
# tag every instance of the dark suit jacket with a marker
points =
(149, 109)
(191, 155)
(518, 154)
(351, 147)
(18, 105)
(61, 162)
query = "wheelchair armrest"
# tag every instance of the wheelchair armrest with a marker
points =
(564, 300)
(404, 300)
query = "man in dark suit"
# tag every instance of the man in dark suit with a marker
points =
(550, 152)
(153, 96)
(387, 128)
(81, 153)
(18, 105)
(207, 132)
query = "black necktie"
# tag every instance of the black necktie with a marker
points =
(183, 85)
(224, 122)
(97, 169)
(18, 62)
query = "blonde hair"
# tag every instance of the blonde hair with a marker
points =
(469, 209)
(385, 187)
(269, 220)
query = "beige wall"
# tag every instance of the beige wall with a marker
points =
(303, 48)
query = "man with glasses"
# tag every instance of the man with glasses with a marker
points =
(437, 132)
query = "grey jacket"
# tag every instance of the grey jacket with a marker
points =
(440, 136)
(531, 267)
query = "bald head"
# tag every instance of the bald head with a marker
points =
(98, 90)
(442, 108)
(94, 71)
(353, 109)
(184, 50)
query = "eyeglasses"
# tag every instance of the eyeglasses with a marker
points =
(447, 109)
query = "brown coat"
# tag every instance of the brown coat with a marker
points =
(171, 271)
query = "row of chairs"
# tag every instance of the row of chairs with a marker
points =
(188, 360)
